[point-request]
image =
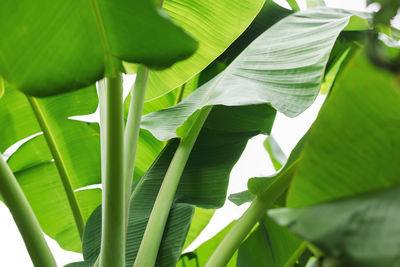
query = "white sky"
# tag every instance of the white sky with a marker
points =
(254, 162)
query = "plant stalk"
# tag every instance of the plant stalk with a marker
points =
(293, 4)
(132, 129)
(148, 250)
(112, 251)
(246, 222)
(24, 218)
(296, 255)
(59, 161)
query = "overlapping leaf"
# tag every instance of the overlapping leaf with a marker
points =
(284, 67)
(72, 44)
(78, 145)
(214, 24)
(268, 245)
(345, 188)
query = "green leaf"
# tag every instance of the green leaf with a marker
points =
(269, 14)
(203, 184)
(290, 84)
(200, 256)
(200, 220)
(360, 230)
(315, 3)
(72, 45)
(78, 147)
(357, 122)
(225, 20)
(241, 197)
(268, 245)
(275, 153)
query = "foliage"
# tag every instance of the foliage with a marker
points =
(210, 76)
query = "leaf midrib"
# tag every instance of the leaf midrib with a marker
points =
(104, 40)
(60, 164)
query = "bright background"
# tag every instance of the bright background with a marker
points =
(254, 162)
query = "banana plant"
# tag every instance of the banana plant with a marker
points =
(209, 76)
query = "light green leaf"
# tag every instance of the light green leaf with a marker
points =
(315, 3)
(225, 20)
(200, 220)
(360, 230)
(357, 122)
(78, 147)
(284, 67)
(74, 44)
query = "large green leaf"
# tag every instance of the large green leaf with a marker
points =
(77, 144)
(268, 245)
(284, 67)
(361, 230)
(214, 24)
(73, 44)
(353, 147)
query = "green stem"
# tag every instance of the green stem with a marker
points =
(293, 4)
(296, 255)
(24, 217)
(60, 163)
(243, 226)
(133, 128)
(112, 251)
(148, 250)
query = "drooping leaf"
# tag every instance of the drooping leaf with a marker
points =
(268, 245)
(73, 44)
(356, 124)
(214, 24)
(275, 153)
(241, 197)
(283, 67)
(361, 230)
(78, 147)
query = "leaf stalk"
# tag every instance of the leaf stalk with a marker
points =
(112, 252)
(246, 222)
(148, 250)
(24, 218)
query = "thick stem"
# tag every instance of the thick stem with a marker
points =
(24, 217)
(112, 251)
(148, 250)
(132, 129)
(60, 163)
(243, 226)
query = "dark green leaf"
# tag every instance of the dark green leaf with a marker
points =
(73, 44)
(268, 245)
